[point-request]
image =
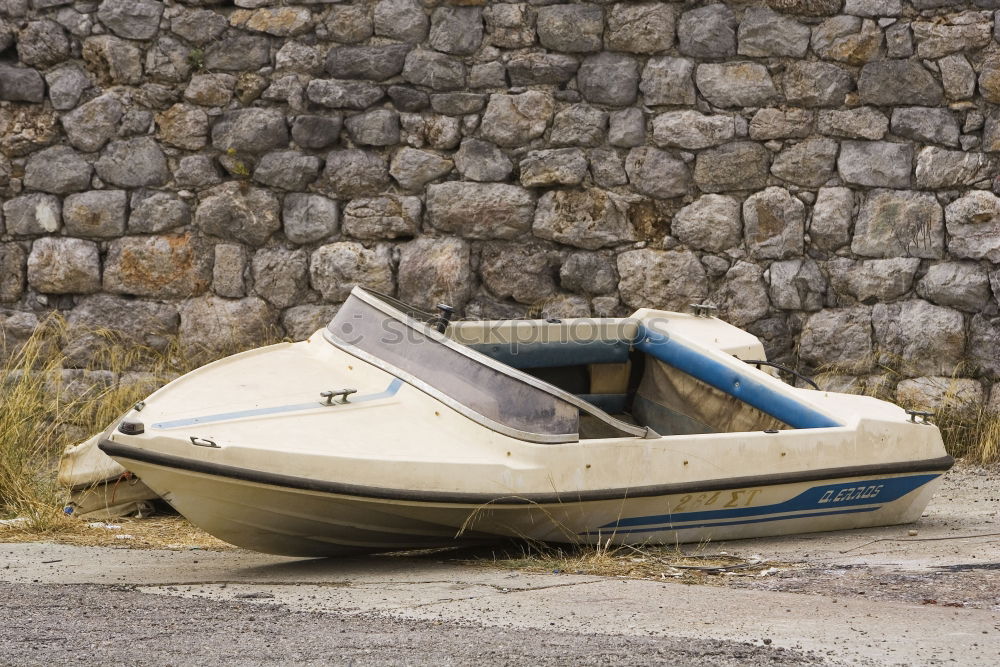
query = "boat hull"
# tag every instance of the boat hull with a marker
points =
(275, 516)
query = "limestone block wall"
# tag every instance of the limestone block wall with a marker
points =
(823, 170)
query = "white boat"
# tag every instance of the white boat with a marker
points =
(396, 429)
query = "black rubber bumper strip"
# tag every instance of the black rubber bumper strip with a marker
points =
(131, 453)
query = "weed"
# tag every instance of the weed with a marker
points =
(196, 59)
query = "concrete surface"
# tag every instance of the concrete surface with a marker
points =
(876, 596)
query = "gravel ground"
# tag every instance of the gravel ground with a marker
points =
(88, 624)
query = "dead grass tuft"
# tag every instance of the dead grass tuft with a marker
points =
(692, 564)
(172, 532)
(49, 405)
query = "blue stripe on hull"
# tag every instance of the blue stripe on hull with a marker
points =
(766, 519)
(278, 409)
(817, 501)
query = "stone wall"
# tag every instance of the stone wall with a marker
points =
(823, 170)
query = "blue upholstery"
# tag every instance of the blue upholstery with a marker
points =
(738, 383)
(555, 354)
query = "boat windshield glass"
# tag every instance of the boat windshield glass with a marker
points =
(394, 339)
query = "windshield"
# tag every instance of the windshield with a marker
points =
(498, 398)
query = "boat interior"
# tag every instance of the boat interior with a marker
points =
(628, 384)
(562, 380)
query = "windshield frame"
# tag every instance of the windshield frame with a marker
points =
(387, 306)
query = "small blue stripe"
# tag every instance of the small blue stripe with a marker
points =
(278, 409)
(766, 519)
(737, 384)
(823, 497)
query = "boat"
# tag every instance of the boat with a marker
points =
(393, 428)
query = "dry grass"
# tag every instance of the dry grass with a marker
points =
(170, 532)
(48, 407)
(691, 564)
(970, 431)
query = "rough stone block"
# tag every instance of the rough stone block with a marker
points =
(433, 271)
(973, 222)
(336, 268)
(926, 125)
(764, 33)
(916, 337)
(480, 210)
(796, 284)
(571, 28)
(589, 273)
(534, 68)
(877, 164)
(509, 26)
(662, 279)
(609, 78)
(386, 217)
(940, 393)
(154, 212)
(898, 82)
(667, 80)
(456, 30)
(961, 285)
(646, 27)
(692, 130)
(64, 266)
(212, 327)
(737, 166)
(235, 212)
(33, 214)
(839, 340)
(512, 120)
(375, 63)
(810, 163)
(590, 219)
(816, 84)
(133, 163)
(872, 280)
(847, 39)
(774, 224)
(308, 218)
(781, 124)
(941, 168)
(158, 266)
(482, 161)
(355, 173)
(707, 32)
(861, 123)
(657, 173)
(288, 170)
(899, 223)
(711, 222)
(12, 272)
(98, 213)
(58, 170)
(250, 130)
(525, 273)
(281, 276)
(579, 125)
(558, 166)
(738, 84)
(830, 227)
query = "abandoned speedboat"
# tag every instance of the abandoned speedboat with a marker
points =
(395, 429)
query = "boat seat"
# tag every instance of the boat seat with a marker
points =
(556, 353)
